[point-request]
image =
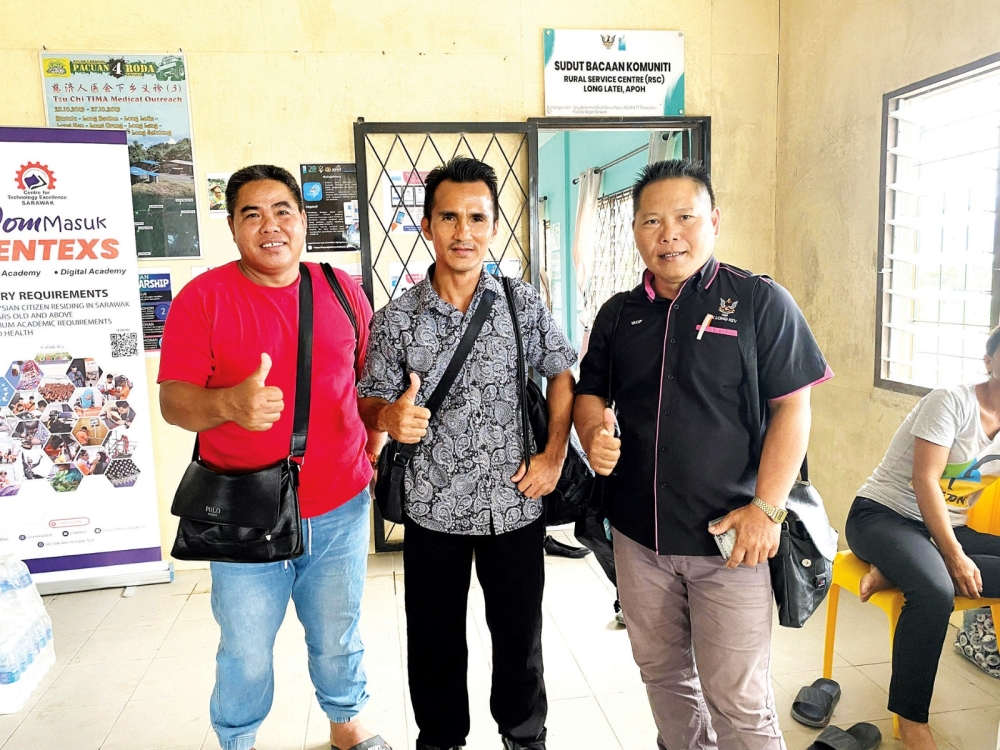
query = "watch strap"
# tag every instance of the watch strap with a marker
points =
(777, 515)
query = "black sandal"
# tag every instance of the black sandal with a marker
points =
(373, 743)
(861, 736)
(815, 703)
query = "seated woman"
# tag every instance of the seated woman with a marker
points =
(909, 522)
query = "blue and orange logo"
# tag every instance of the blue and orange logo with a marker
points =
(35, 176)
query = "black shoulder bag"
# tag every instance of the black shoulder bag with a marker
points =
(803, 568)
(252, 516)
(568, 501)
(392, 461)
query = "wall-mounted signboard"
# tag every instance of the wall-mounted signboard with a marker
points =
(603, 73)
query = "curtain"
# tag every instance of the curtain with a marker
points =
(661, 146)
(585, 239)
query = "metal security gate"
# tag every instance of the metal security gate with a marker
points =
(617, 265)
(392, 161)
(394, 157)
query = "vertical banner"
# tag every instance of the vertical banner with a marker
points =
(613, 73)
(155, 296)
(77, 490)
(146, 95)
(330, 192)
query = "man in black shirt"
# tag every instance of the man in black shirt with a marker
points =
(668, 356)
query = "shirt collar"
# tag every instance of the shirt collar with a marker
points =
(430, 298)
(703, 277)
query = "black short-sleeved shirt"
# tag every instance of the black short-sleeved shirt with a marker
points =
(681, 401)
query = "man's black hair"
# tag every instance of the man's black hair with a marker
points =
(993, 342)
(461, 169)
(260, 172)
(672, 170)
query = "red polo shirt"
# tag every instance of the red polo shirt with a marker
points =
(217, 328)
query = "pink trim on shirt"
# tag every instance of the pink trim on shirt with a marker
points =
(713, 275)
(659, 412)
(734, 273)
(647, 283)
(826, 376)
(716, 329)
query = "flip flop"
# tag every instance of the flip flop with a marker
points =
(814, 704)
(862, 736)
(374, 743)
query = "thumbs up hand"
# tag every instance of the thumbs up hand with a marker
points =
(403, 420)
(604, 448)
(252, 404)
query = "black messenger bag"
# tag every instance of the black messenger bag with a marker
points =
(395, 456)
(568, 501)
(253, 516)
(802, 570)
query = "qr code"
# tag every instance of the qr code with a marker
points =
(124, 344)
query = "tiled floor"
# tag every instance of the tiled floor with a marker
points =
(135, 673)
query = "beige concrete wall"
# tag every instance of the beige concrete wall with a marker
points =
(837, 61)
(282, 81)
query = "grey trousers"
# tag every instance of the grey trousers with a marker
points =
(684, 609)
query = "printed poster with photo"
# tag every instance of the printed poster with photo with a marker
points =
(77, 486)
(403, 199)
(146, 95)
(330, 193)
(216, 193)
(155, 296)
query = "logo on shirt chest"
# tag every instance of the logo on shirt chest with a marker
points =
(727, 309)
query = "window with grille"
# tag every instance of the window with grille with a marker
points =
(617, 265)
(393, 160)
(938, 293)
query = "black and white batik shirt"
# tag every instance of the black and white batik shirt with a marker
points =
(459, 481)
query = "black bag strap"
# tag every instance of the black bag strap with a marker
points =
(303, 372)
(522, 384)
(338, 292)
(407, 450)
(746, 335)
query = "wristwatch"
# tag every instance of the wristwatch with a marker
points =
(777, 515)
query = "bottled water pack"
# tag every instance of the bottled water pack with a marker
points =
(26, 650)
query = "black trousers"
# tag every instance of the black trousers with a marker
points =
(902, 549)
(437, 569)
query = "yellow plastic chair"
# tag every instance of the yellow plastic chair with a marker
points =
(848, 571)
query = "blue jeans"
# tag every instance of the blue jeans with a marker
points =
(249, 602)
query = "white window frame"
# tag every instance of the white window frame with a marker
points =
(890, 370)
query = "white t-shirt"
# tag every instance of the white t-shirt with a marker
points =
(948, 417)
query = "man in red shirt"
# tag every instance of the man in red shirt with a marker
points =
(227, 371)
